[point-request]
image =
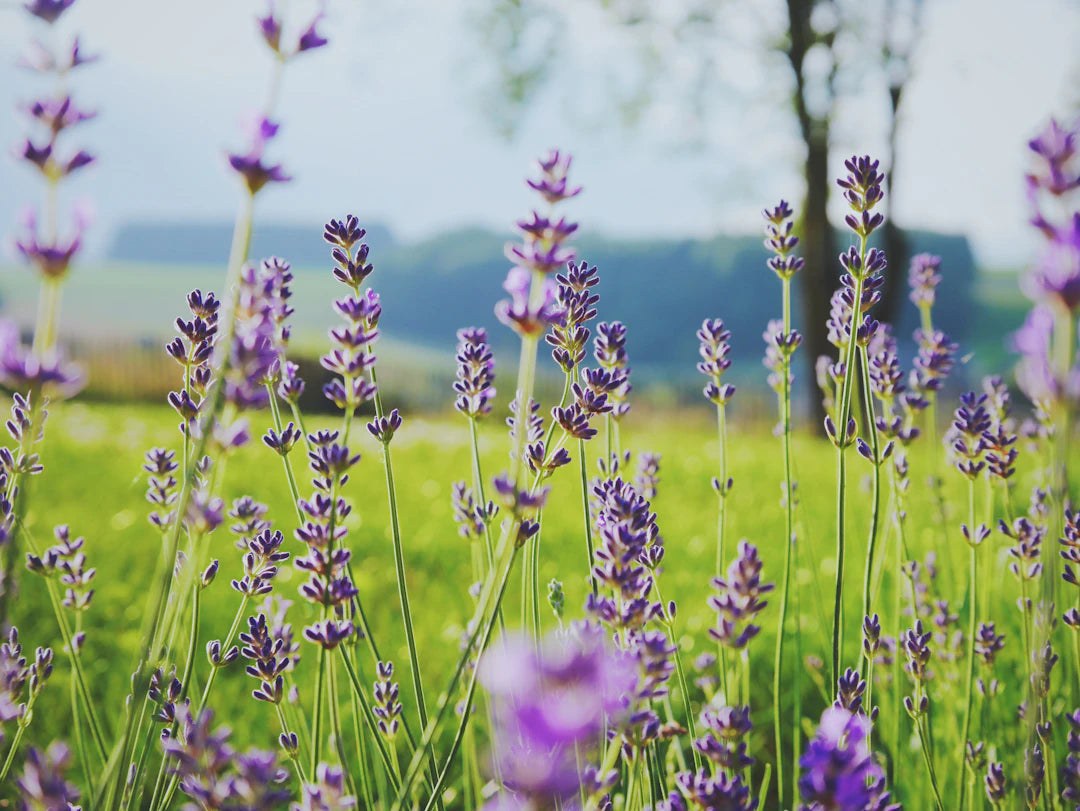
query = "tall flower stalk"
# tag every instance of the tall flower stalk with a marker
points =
(40, 370)
(862, 191)
(970, 427)
(255, 173)
(782, 344)
(530, 311)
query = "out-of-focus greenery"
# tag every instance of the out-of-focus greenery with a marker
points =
(93, 481)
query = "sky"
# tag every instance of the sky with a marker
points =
(388, 121)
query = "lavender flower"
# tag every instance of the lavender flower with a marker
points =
(21, 369)
(52, 256)
(648, 475)
(706, 792)
(20, 682)
(779, 347)
(352, 355)
(193, 349)
(553, 185)
(67, 561)
(270, 27)
(971, 422)
(327, 793)
(470, 517)
(609, 349)
(385, 695)
(267, 662)
(43, 785)
(547, 704)
(48, 10)
(214, 775)
(626, 531)
(577, 302)
(724, 740)
(838, 768)
(254, 171)
(738, 599)
(924, 276)
(714, 349)
(934, 361)
(532, 307)
(260, 563)
(475, 384)
(1027, 548)
(995, 783)
(915, 642)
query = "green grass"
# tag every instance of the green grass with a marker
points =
(93, 481)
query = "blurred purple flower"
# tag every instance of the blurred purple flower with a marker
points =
(270, 26)
(42, 784)
(1056, 276)
(838, 768)
(250, 165)
(550, 702)
(524, 312)
(48, 10)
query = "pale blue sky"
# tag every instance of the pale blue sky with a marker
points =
(386, 121)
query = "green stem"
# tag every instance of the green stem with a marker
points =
(669, 622)
(973, 590)
(335, 729)
(403, 592)
(493, 585)
(369, 719)
(875, 502)
(164, 578)
(922, 725)
(789, 543)
(721, 520)
(841, 469)
(470, 693)
(76, 659)
(360, 739)
(589, 551)
(19, 732)
(294, 491)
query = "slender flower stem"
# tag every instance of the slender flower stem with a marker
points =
(369, 719)
(841, 467)
(403, 592)
(216, 399)
(20, 730)
(721, 518)
(469, 695)
(294, 491)
(589, 550)
(360, 740)
(669, 622)
(534, 585)
(533, 560)
(478, 483)
(317, 734)
(76, 660)
(721, 521)
(875, 503)
(300, 773)
(335, 728)
(973, 592)
(924, 740)
(494, 584)
(789, 543)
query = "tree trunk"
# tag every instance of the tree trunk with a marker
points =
(895, 243)
(819, 276)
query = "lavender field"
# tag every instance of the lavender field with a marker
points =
(318, 572)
